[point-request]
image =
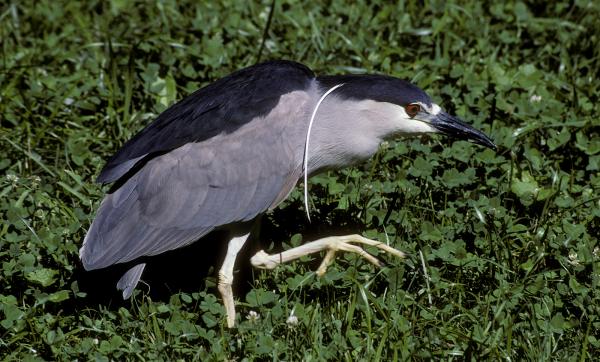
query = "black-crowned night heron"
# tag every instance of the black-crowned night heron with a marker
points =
(234, 149)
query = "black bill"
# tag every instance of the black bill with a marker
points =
(454, 127)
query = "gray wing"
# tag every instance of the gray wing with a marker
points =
(178, 197)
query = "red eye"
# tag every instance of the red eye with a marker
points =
(412, 109)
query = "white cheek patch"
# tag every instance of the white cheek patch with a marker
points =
(402, 112)
(411, 125)
(415, 126)
(392, 119)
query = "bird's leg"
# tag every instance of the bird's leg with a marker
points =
(331, 244)
(226, 277)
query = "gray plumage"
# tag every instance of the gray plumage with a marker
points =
(170, 194)
(178, 197)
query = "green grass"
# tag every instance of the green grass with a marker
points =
(504, 253)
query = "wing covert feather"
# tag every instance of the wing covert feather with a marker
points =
(180, 196)
(223, 106)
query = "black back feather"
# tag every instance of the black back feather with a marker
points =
(220, 107)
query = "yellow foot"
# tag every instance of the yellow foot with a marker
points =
(332, 244)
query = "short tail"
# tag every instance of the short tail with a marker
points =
(130, 279)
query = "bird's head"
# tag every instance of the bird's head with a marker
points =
(400, 108)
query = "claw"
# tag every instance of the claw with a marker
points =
(332, 245)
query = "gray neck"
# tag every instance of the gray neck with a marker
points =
(347, 132)
(344, 132)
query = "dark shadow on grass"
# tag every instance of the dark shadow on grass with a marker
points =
(194, 268)
(185, 269)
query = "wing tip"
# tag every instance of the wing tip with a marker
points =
(84, 254)
(103, 178)
(89, 258)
